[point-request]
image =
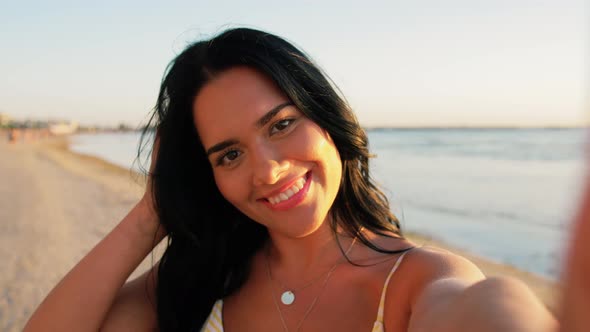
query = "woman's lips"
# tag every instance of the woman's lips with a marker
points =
(293, 200)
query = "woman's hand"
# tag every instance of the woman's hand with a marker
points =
(147, 204)
(575, 305)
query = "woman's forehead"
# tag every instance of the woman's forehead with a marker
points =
(236, 98)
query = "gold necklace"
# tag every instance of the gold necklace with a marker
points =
(314, 301)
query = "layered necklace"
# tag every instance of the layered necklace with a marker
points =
(288, 296)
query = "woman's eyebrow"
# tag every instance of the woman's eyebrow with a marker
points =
(259, 123)
(221, 145)
(271, 114)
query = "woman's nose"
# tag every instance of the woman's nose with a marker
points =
(268, 166)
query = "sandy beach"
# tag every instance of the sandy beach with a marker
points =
(55, 205)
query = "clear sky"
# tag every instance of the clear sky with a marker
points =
(399, 63)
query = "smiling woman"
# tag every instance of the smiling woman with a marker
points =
(260, 179)
(277, 166)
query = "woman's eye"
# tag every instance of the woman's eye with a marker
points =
(281, 125)
(228, 157)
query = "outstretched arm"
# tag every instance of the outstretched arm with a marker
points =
(458, 298)
(575, 305)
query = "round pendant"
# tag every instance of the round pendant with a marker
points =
(287, 297)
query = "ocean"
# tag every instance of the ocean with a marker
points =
(505, 194)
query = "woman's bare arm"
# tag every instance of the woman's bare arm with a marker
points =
(82, 299)
(134, 308)
(460, 300)
(575, 302)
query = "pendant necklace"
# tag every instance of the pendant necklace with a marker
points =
(288, 296)
(292, 294)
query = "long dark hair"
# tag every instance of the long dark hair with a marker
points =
(210, 242)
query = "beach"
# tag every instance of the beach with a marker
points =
(55, 205)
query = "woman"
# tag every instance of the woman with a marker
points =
(261, 182)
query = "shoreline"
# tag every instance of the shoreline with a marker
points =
(543, 287)
(58, 204)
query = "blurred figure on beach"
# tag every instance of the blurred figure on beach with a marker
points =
(27, 135)
(13, 135)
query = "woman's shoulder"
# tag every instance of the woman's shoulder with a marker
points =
(443, 286)
(403, 277)
(434, 263)
(425, 264)
(426, 268)
(420, 265)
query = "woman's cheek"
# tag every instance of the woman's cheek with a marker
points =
(305, 143)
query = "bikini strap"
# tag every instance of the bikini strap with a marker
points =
(384, 291)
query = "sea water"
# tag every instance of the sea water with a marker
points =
(505, 194)
(508, 195)
(119, 148)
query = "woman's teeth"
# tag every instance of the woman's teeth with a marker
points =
(285, 195)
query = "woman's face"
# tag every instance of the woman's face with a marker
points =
(271, 162)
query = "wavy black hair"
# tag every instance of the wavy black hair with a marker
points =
(211, 243)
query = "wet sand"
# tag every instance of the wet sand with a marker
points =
(55, 205)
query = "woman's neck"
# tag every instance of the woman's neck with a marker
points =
(306, 256)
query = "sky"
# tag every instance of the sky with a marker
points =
(420, 63)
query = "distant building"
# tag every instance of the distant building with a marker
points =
(63, 128)
(4, 119)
